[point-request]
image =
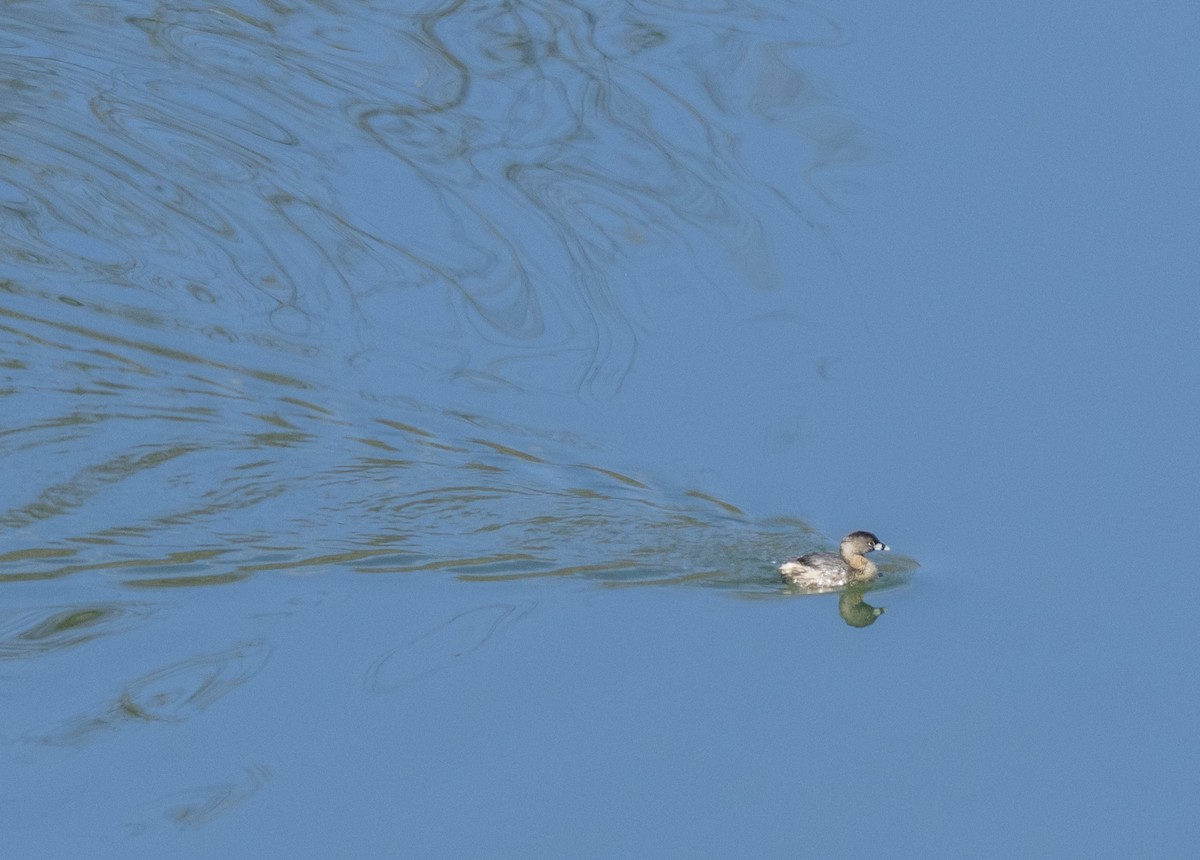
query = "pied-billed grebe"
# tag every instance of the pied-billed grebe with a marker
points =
(827, 570)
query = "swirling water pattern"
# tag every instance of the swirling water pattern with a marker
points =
(292, 288)
(361, 363)
(250, 251)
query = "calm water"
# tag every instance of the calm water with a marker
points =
(401, 413)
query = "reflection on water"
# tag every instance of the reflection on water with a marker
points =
(854, 609)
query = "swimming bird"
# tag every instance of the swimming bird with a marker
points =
(827, 570)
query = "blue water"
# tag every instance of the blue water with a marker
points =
(402, 412)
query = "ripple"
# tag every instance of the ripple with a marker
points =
(36, 631)
(211, 213)
(173, 694)
(516, 128)
(438, 649)
(199, 806)
(321, 483)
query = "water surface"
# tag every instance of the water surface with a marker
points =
(402, 412)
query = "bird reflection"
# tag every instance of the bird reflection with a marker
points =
(854, 610)
(852, 605)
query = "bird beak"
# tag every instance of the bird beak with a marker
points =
(882, 546)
